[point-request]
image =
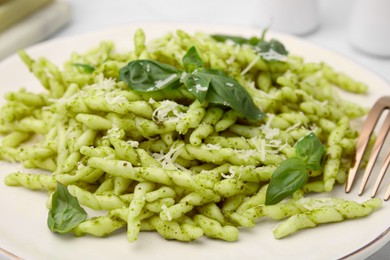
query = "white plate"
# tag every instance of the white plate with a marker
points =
(23, 230)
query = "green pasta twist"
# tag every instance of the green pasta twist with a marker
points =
(340, 212)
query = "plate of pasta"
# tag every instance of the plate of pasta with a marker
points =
(177, 140)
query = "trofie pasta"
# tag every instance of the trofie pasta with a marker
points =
(155, 139)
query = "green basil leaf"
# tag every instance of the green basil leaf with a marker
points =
(310, 150)
(237, 39)
(205, 84)
(66, 212)
(85, 67)
(227, 91)
(149, 75)
(290, 176)
(192, 61)
(198, 84)
(272, 50)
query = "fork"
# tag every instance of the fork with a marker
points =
(372, 120)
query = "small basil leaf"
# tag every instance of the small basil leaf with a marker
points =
(191, 60)
(236, 39)
(198, 84)
(149, 75)
(227, 91)
(310, 150)
(66, 212)
(85, 67)
(272, 50)
(290, 176)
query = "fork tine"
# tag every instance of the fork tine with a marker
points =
(387, 195)
(368, 128)
(375, 152)
(382, 172)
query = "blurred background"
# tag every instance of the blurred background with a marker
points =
(357, 29)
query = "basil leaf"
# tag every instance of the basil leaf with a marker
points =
(149, 75)
(85, 67)
(192, 60)
(290, 176)
(237, 39)
(272, 50)
(65, 213)
(205, 84)
(198, 84)
(310, 150)
(227, 91)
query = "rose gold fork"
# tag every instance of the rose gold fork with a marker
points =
(372, 119)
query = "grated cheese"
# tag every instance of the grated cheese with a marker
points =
(183, 76)
(133, 144)
(293, 127)
(167, 160)
(282, 147)
(199, 87)
(267, 130)
(180, 167)
(250, 65)
(100, 89)
(114, 133)
(102, 83)
(212, 146)
(166, 211)
(161, 83)
(262, 150)
(313, 128)
(231, 59)
(111, 98)
(161, 113)
(229, 176)
(273, 55)
(274, 143)
(80, 165)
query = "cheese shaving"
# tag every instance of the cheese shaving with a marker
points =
(250, 65)
(273, 55)
(293, 127)
(199, 88)
(161, 113)
(229, 176)
(166, 211)
(133, 144)
(111, 98)
(267, 130)
(161, 83)
(212, 146)
(167, 160)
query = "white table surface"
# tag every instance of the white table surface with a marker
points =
(332, 34)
